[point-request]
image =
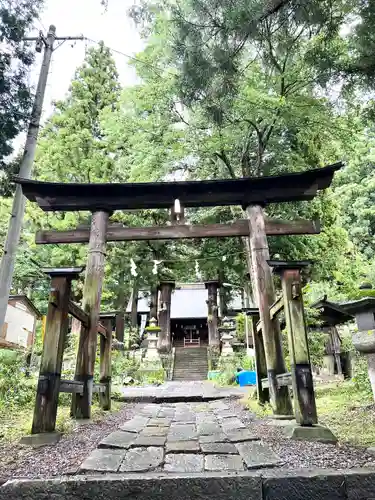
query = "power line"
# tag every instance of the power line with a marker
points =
(134, 58)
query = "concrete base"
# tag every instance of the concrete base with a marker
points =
(310, 433)
(42, 439)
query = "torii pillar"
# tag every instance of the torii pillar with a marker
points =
(212, 313)
(92, 293)
(265, 295)
(164, 320)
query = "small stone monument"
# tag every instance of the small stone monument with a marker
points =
(226, 336)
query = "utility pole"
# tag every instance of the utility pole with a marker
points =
(18, 208)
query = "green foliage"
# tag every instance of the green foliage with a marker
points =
(360, 373)
(240, 327)
(124, 366)
(15, 388)
(16, 57)
(149, 376)
(317, 341)
(228, 368)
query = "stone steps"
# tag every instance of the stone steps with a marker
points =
(190, 364)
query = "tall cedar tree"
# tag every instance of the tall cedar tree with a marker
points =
(72, 147)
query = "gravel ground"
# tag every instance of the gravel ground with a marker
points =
(19, 461)
(22, 461)
(304, 454)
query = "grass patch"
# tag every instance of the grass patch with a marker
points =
(16, 422)
(347, 411)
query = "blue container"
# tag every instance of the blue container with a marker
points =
(246, 378)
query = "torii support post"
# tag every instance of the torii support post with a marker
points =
(212, 313)
(302, 380)
(164, 320)
(279, 396)
(92, 292)
(47, 395)
(263, 394)
(105, 362)
(120, 326)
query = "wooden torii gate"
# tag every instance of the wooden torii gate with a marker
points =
(252, 194)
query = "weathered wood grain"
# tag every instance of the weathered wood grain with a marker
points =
(303, 388)
(240, 227)
(279, 396)
(46, 402)
(164, 320)
(81, 404)
(212, 313)
(105, 365)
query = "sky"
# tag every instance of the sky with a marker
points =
(88, 18)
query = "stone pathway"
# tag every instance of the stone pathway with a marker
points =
(181, 437)
(184, 392)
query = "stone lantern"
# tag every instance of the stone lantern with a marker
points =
(152, 330)
(364, 339)
(226, 330)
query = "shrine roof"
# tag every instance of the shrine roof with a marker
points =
(299, 186)
(332, 313)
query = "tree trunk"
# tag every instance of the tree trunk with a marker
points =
(164, 341)
(222, 294)
(121, 306)
(134, 307)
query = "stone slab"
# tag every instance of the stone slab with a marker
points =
(135, 424)
(186, 418)
(118, 439)
(201, 407)
(278, 484)
(240, 435)
(208, 428)
(183, 462)
(159, 422)
(186, 432)
(317, 433)
(219, 448)
(142, 459)
(149, 441)
(231, 424)
(360, 484)
(42, 439)
(103, 460)
(166, 413)
(219, 405)
(205, 417)
(154, 431)
(150, 410)
(221, 414)
(256, 455)
(182, 446)
(310, 484)
(219, 437)
(223, 463)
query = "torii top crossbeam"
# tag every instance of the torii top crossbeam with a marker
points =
(247, 191)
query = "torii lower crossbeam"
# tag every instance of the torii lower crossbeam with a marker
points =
(240, 227)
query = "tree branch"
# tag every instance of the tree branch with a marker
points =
(224, 158)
